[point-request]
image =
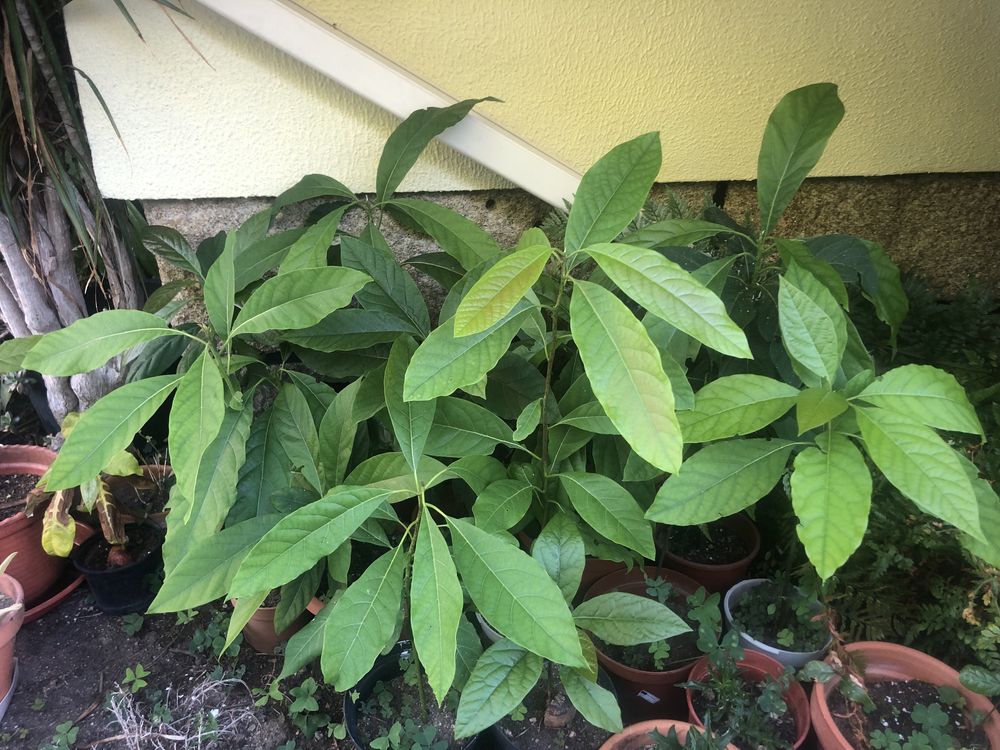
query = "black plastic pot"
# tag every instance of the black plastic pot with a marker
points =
(386, 668)
(130, 588)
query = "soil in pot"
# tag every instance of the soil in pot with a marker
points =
(530, 733)
(14, 488)
(722, 545)
(780, 729)
(781, 617)
(896, 713)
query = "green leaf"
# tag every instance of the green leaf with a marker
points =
(253, 261)
(528, 420)
(831, 495)
(920, 465)
(612, 192)
(813, 327)
(461, 238)
(626, 374)
(462, 428)
(168, 244)
(310, 250)
(266, 470)
(411, 137)
(628, 619)
(931, 396)
(389, 471)
(719, 480)
(499, 289)
(304, 536)
(336, 434)
(502, 504)
(444, 363)
(298, 299)
(363, 621)
(106, 429)
(502, 677)
(392, 290)
(312, 186)
(220, 289)
(296, 431)
(13, 352)
(436, 601)
(671, 293)
(90, 342)
(205, 572)
(676, 233)
(411, 420)
(817, 406)
(735, 405)
(794, 139)
(598, 705)
(560, 550)
(514, 594)
(980, 680)
(610, 510)
(195, 417)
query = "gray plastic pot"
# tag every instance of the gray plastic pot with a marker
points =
(795, 659)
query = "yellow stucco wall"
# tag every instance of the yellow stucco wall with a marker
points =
(920, 80)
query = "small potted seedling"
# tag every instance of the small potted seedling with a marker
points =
(11, 617)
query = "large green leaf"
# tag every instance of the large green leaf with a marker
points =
(106, 429)
(626, 374)
(502, 504)
(312, 186)
(296, 431)
(266, 470)
(168, 244)
(304, 536)
(298, 299)
(336, 434)
(676, 233)
(719, 480)
(628, 619)
(408, 141)
(931, 396)
(735, 405)
(794, 139)
(392, 290)
(309, 250)
(436, 602)
(610, 510)
(515, 594)
(559, 549)
(411, 420)
(363, 621)
(389, 471)
(195, 417)
(831, 495)
(497, 291)
(220, 289)
(90, 342)
(461, 238)
(921, 466)
(462, 428)
(813, 326)
(444, 362)
(598, 705)
(612, 192)
(263, 255)
(671, 293)
(205, 572)
(502, 677)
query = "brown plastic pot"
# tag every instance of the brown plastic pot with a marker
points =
(642, 694)
(36, 571)
(636, 737)
(718, 578)
(259, 630)
(9, 625)
(888, 661)
(756, 666)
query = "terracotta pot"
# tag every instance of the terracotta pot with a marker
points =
(9, 625)
(259, 630)
(756, 667)
(718, 578)
(888, 661)
(636, 737)
(33, 568)
(643, 694)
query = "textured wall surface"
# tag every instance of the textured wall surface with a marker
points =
(919, 79)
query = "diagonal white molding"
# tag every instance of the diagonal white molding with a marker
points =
(364, 71)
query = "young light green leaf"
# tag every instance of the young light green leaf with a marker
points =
(528, 420)
(220, 289)
(106, 429)
(671, 293)
(626, 374)
(336, 434)
(817, 406)
(813, 326)
(309, 250)
(195, 417)
(298, 299)
(502, 504)
(462, 428)
(363, 621)
(598, 705)
(515, 594)
(794, 139)
(719, 480)
(312, 186)
(502, 677)
(831, 495)
(499, 289)
(921, 466)
(13, 352)
(612, 192)
(559, 549)
(735, 405)
(931, 396)
(90, 342)
(627, 619)
(462, 239)
(436, 601)
(411, 420)
(610, 510)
